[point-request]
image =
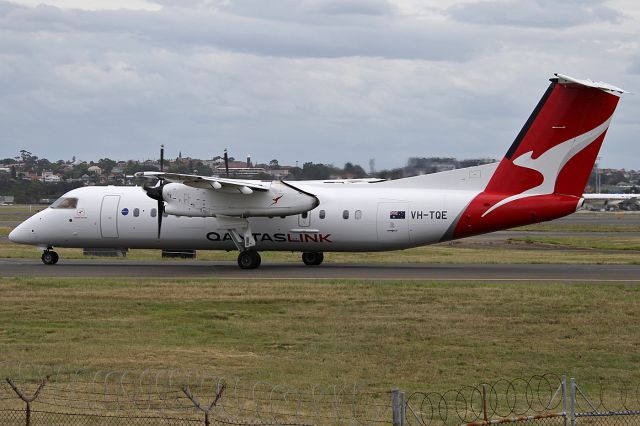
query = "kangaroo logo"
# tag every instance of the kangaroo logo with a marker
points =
(550, 163)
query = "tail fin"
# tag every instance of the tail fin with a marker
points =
(545, 170)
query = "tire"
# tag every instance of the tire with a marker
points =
(249, 259)
(312, 258)
(49, 257)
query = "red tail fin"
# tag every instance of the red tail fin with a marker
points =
(544, 173)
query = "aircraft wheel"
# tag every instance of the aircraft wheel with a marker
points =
(49, 257)
(312, 258)
(249, 259)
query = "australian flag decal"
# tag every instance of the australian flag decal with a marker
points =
(396, 214)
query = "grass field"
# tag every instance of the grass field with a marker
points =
(380, 334)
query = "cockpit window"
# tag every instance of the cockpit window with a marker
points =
(65, 203)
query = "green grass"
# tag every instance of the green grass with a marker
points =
(379, 334)
(610, 243)
(571, 227)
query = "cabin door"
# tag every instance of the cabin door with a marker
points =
(109, 216)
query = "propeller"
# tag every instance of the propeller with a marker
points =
(155, 192)
(226, 162)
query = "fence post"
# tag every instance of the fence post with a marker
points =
(485, 416)
(398, 407)
(573, 401)
(28, 399)
(564, 400)
(197, 405)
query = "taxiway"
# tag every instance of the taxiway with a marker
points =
(229, 270)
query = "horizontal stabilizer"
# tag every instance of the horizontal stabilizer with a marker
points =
(565, 79)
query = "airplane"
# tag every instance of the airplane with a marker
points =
(541, 177)
(608, 201)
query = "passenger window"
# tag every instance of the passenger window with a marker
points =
(322, 214)
(136, 212)
(154, 212)
(358, 214)
(305, 215)
(65, 203)
(345, 214)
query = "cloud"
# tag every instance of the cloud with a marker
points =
(535, 13)
(320, 81)
(355, 35)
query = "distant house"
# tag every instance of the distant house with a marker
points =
(50, 177)
(95, 170)
(239, 169)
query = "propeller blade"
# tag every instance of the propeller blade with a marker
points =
(162, 157)
(160, 214)
(155, 192)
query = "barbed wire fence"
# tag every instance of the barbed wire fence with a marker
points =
(44, 395)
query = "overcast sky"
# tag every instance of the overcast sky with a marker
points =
(303, 80)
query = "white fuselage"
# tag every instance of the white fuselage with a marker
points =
(350, 217)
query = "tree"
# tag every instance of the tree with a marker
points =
(353, 171)
(313, 171)
(41, 165)
(25, 155)
(28, 161)
(132, 167)
(274, 165)
(106, 164)
(202, 169)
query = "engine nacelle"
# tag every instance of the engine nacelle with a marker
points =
(280, 199)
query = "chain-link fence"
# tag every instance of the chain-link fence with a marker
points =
(42, 396)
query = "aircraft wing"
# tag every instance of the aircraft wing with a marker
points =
(609, 197)
(604, 200)
(209, 182)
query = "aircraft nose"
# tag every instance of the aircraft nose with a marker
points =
(20, 235)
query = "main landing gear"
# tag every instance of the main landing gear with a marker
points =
(49, 257)
(312, 258)
(249, 259)
(242, 237)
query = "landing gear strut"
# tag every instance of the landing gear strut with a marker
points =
(49, 257)
(249, 259)
(312, 258)
(240, 231)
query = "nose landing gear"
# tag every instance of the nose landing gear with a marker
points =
(49, 257)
